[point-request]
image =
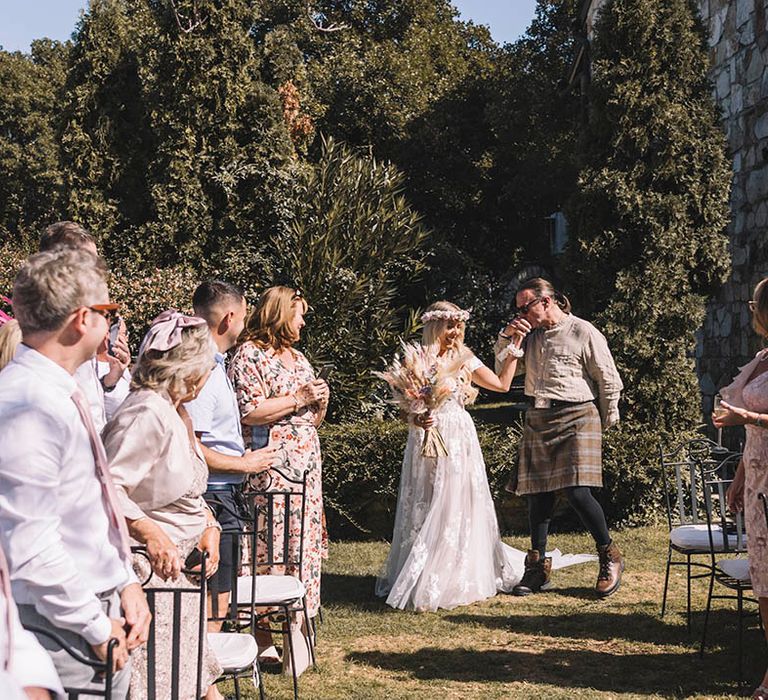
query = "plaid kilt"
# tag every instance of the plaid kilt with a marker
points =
(561, 447)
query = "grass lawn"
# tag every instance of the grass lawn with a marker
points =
(559, 644)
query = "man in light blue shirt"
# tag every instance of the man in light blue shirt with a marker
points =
(216, 420)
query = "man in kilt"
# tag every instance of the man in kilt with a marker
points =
(573, 388)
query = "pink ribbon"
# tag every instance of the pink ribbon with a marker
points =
(4, 317)
(166, 328)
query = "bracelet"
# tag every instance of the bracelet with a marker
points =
(517, 353)
(106, 388)
(506, 337)
(215, 524)
(759, 420)
(295, 402)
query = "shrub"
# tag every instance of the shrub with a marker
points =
(362, 462)
(361, 472)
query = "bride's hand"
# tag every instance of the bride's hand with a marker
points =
(424, 420)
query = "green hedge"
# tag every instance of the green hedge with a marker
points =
(362, 461)
(361, 472)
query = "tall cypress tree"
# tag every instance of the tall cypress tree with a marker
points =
(652, 202)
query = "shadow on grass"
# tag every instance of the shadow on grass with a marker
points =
(356, 592)
(606, 626)
(668, 674)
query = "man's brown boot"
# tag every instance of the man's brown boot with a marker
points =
(611, 568)
(536, 576)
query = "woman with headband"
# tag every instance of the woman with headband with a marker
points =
(160, 477)
(446, 550)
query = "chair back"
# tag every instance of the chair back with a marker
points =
(680, 473)
(276, 521)
(103, 670)
(176, 595)
(726, 532)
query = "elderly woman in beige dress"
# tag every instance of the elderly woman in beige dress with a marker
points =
(160, 477)
(745, 402)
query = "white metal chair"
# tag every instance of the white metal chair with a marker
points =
(689, 533)
(726, 537)
(273, 516)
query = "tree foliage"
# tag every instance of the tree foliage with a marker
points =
(652, 202)
(354, 246)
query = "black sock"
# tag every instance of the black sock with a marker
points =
(540, 506)
(590, 512)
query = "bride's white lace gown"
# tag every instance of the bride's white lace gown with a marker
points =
(446, 550)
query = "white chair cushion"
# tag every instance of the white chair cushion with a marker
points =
(735, 568)
(234, 651)
(696, 538)
(270, 589)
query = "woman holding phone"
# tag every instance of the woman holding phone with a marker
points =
(282, 401)
(160, 477)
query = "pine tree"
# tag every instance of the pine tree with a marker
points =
(652, 202)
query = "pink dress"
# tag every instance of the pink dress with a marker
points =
(755, 395)
(257, 375)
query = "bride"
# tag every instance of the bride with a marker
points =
(446, 550)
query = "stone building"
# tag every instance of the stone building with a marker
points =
(738, 41)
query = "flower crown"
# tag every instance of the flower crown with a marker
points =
(445, 315)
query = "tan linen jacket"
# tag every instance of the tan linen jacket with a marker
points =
(570, 362)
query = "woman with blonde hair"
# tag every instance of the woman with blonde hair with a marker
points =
(745, 402)
(446, 549)
(160, 477)
(282, 402)
(10, 337)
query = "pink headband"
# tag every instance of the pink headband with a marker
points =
(166, 328)
(4, 317)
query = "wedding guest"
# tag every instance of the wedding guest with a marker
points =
(94, 382)
(745, 402)
(26, 670)
(281, 401)
(573, 387)
(216, 420)
(160, 477)
(60, 523)
(10, 337)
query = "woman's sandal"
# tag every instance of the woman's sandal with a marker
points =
(761, 693)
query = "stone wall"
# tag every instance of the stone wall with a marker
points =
(738, 43)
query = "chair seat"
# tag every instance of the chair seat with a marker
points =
(735, 568)
(695, 538)
(270, 589)
(234, 651)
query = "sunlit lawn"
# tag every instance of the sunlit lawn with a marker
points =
(560, 644)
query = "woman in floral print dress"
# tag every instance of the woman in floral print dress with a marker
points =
(282, 402)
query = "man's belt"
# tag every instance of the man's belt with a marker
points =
(554, 403)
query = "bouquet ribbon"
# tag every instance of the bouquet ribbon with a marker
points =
(433, 445)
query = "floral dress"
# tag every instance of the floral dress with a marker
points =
(755, 458)
(257, 375)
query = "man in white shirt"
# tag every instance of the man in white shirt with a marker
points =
(216, 420)
(26, 670)
(104, 388)
(64, 537)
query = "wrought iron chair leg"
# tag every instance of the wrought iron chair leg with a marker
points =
(237, 687)
(666, 582)
(706, 615)
(739, 645)
(310, 632)
(291, 651)
(688, 606)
